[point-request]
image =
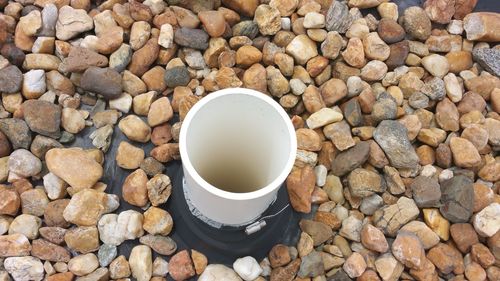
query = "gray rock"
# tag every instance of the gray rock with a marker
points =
(311, 265)
(457, 199)
(11, 79)
(426, 192)
(42, 144)
(43, 117)
(371, 204)
(416, 23)
(319, 231)
(192, 38)
(340, 275)
(488, 58)
(392, 137)
(121, 58)
(418, 100)
(101, 138)
(104, 81)
(151, 166)
(49, 20)
(351, 158)
(177, 76)
(434, 88)
(66, 137)
(106, 254)
(246, 28)
(338, 17)
(17, 131)
(384, 109)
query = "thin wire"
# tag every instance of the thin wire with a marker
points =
(279, 212)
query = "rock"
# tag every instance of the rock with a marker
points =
(428, 238)
(482, 255)
(464, 153)
(481, 26)
(106, 254)
(214, 22)
(141, 263)
(166, 37)
(200, 261)
(390, 31)
(338, 17)
(323, 117)
(129, 156)
(120, 58)
(268, 19)
(392, 217)
(314, 20)
(440, 11)
(160, 112)
(87, 206)
(34, 84)
(181, 267)
(24, 268)
(331, 46)
(134, 188)
(392, 138)
(45, 250)
(486, 221)
(119, 268)
(135, 129)
(139, 34)
(457, 199)
(24, 163)
(363, 183)
(355, 265)
(177, 76)
(41, 61)
(157, 221)
(104, 81)
(191, 38)
(279, 255)
(408, 249)
(300, 185)
(248, 55)
(159, 189)
(11, 79)
(375, 48)
(370, 204)
(34, 201)
(426, 192)
(302, 48)
(72, 22)
(160, 267)
(101, 138)
(143, 58)
(215, 272)
(464, 236)
(42, 117)
(72, 120)
(74, 166)
(488, 58)
(311, 265)
(27, 225)
(416, 23)
(153, 167)
(53, 215)
(276, 82)
(83, 264)
(436, 65)
(161, 244)
(17, 132)
(79, 59)
(373, 239)
(247, 268)
(114, 229)
(446, 258)
(319, 232)
(14, 245)
(388, 267)
(286, 273)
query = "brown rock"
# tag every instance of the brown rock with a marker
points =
(53, 215)
(180, 266)
(246, 7)
(65, 276)
(463, 7)
(464, 153)
(459, 61)
(446, 258)
(134, 189)
(87, 206)
(144, 57)
(286, 273)
(9, 202)
(390, 31)
(408, 249)
(14, 245)
(319, 231)
(279, 256)
(308, 139)
(474, 272)
(255, 78)
(333, 91)
(79, 59)
(53, 234)
(440, 11)
(166, 152)
(248, 55)
(482, 255)
(82, 239)
(300, 185)
(213, 22)
(482, 26)
(199, 261)
(45, 250)
(157, 221)
(464, 236)
(373, 239)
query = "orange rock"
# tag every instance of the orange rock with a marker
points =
(300, 185)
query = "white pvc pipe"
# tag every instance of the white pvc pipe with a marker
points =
(237, 148)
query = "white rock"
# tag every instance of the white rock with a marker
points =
(286, 23)
(72, 22)
(23, 163)
(4, 224)
(114, 229)
(320, 171)
(156, 6)
(453, 87)
(34, 83)
(141, 263)
(24, 268)
(194, 58)
(487, 221)
(83, 264)
(27, 225)
(302, 48)
(123, 103)
(54, 186)
(297, 86)
(456, 27)
(314, 20)
(445, 174)
(428, 171)
(160, 267)
(219, 272)
(354, 86)
(166, 38)
(139, 34)
(247, 268)
(323, 117)
(72, 120)
(103, 21)
(437, 65)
